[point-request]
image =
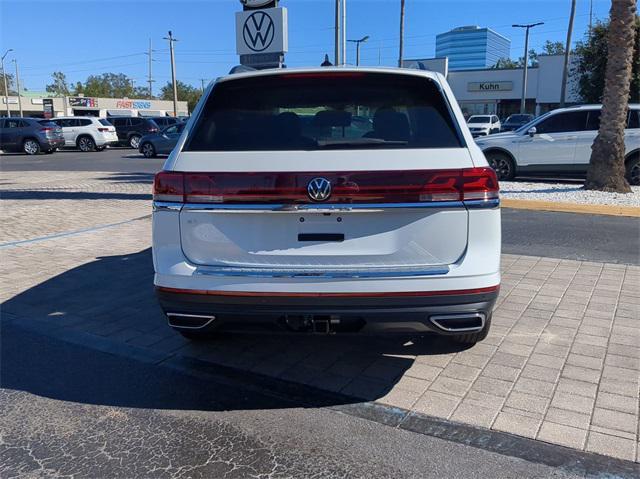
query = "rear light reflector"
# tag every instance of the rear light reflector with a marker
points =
(346, 187)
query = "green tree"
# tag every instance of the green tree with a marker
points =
(9, 84)
(59, 87)
(549, 48)
(187, 93)
(606, 168)
(591, 60)
(109, 85)
(553, 48)
(78, 88)
(504, 63)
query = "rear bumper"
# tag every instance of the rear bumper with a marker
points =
(400, 312)
(48, 143)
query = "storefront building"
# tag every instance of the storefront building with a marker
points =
(33, 106)
(493, 91)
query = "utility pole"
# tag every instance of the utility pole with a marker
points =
(4, 77)
(590, 18)
(358, 42)
(344, 32)
(337, 33)
(567, 50)
(150, 79)
(173, 73)
(18, 87)
(401, 52)
(526, 62)
(202, 80)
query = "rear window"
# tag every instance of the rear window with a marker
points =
(480, 119)
(333, 110)
(45, 123)
(105, 122)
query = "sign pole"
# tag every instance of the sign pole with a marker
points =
(173, 73)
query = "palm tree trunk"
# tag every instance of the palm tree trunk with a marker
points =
(606, 168)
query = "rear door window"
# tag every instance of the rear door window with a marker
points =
(333, 110)
(563, 122)
(634, 119)
(593, 120)
(84, 122)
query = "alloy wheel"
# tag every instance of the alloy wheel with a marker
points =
(85, 144)
(148, 150)
(502, 167)
(134, 141)
(634, 174)
(31, 147)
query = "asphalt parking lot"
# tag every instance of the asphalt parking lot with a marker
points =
(560, 368)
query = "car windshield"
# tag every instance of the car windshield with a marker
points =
(333, 110)
(480, 119)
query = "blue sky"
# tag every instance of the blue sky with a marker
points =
(83, 37)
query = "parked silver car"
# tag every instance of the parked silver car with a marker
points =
(161, 143)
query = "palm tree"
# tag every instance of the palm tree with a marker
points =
(606, 167)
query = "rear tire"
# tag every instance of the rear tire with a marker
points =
(148, 150)
(633, 170)
(31, 147)
(86, 144)
(472, 338)
(134, 141)
(502, 164)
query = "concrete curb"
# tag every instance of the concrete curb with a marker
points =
(610, 210)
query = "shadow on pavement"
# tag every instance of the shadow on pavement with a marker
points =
(112, 299)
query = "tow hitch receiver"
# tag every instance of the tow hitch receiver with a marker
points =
(317, 324)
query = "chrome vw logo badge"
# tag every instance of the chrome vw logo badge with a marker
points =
(319, 189)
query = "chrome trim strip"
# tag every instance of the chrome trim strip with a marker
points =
(435, 320)
(170, 315)
(319, 207)
(328, 274)
(166, 206)
(482, 204)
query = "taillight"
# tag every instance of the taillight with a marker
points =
(103, 129)
(168, 186)
(397, 186)
(47, 129)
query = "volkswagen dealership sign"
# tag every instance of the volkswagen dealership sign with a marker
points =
(261, 31)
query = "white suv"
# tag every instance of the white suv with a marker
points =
(483, 125)
(559, 143)
(328, 200)
(87, 133)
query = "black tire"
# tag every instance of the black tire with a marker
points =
(502, 164)
(31, 146)
(134, 141)
(148, 150)
(472, 338)
(86, 144)
(50, 150)
(100, 148)
(633, 170)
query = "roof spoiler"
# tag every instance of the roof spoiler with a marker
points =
(241, 69)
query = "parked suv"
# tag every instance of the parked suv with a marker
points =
(482, 125)
(559, 143)
(30, 135)
(87, 133)
(161, 143)
(275, 212)
(131, 129)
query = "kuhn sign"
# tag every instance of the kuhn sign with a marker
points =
(490, 86)
(261, 31)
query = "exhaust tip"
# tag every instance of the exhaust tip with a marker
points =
(459, 323)
(189, 321)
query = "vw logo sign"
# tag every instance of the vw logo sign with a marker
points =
(319, 189)
(258, 31)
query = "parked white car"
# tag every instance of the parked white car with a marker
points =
(281, 208)
(87, 133)
(559, 143)
(483, 125)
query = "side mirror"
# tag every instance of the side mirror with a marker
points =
(532, 131)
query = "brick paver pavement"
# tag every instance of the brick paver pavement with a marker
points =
(561, 364)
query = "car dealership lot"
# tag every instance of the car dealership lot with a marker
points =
(561, 363)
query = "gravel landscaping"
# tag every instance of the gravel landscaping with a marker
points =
(566, 193)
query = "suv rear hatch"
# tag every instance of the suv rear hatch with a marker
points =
(325, 173)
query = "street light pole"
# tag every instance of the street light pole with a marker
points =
(526, 62)
(337, 33)
(401, 50)
(18, 87)
(344, 32)
(4, 77)
(567, 50)
(173, 73)
(358, 42)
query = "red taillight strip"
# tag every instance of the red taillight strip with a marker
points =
(399, 294)
(395, 186)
